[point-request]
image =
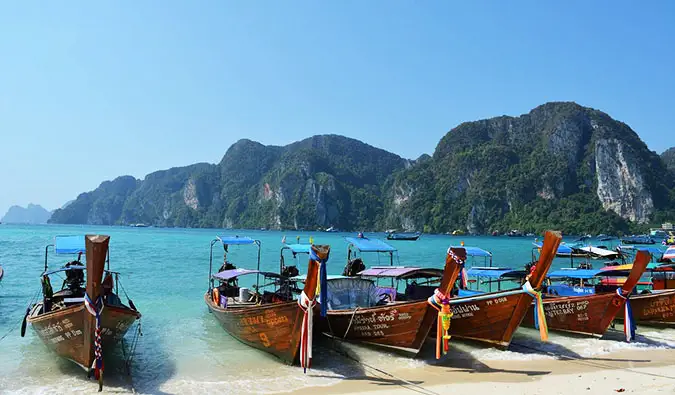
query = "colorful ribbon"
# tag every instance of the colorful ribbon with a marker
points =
(539, 315)
(96, 309)
(322, 287)
(441, 302)
(307, 306)
(629, 326)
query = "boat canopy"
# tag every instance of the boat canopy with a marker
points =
(401, 272)
(234, 273)
(590, 273)
(669, 254)
(562, 249)
(495, 272)
(370, 245)
(601, 252)
(474, 251)
(650, 249)
(235, 240)
(298, 248)
(69, 244)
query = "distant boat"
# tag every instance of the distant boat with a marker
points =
(2, 273)
(457, 232)
(530, 235)
(515, 233)
(404, 236)
(332, 230)
(643, 239)
(138, 225)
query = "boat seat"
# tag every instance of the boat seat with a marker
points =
(350, 293)
(419, 292)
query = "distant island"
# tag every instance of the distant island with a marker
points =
(32, 214)
(560, 166)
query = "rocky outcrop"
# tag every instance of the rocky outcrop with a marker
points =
(32, 214)
(621, 187)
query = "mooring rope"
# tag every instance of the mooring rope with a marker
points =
(415, 387)
(30, 303)
(591, 363)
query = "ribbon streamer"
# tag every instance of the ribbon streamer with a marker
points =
(629, 326)
(441, 302)
(539, 315)
(96, 309)
(307, 306)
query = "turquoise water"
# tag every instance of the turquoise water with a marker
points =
(184, 350)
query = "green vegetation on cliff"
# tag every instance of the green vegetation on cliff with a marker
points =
(560, 166)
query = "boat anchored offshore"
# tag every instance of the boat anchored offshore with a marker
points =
(403, 236)
(361, 309)
(85, 317)
(271, 321)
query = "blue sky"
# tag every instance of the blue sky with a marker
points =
(93, 90)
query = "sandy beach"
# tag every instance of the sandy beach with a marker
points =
(644, 372)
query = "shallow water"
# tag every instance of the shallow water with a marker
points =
(184, 350)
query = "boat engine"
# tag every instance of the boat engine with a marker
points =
(354, 267)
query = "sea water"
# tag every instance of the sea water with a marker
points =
(184, 350)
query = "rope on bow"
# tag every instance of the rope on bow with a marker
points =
(322, 287)
(96, 309)
(307, 306)
(539, 315)
(441, 302)
(628, 321)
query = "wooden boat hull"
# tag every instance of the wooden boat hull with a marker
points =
(273, 328)
(489, 318)
(399, 326)
(63, 331)
(656, 309)
(587, 315)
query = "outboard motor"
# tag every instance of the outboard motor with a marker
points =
(75, 277)
(290, 271)
(354, 267)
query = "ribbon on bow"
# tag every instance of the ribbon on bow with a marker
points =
(96, 309)
(307, 306)
(441, 302)
(539, 315)
(629, 326)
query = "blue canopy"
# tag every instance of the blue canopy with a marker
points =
(234, 240)
(69, 244)
(562, 249)
(474, 251)
(650, 249)
(575, 273)
(370, 245)
(299, 248)
(494, 272)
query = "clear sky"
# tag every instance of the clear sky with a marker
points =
(93, 90)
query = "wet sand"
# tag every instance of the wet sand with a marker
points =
(644, 372)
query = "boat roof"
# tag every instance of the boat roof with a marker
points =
(72, 244)
(400, 272)
(370, 245)
(234, 273)
(495, 272)
(650, 249)
(599, 251)
(587, 273)
(670, 253)
(303, 277)
(474, 251)
(629, 266)
(298, 248)
(562, 249)
(235, 240)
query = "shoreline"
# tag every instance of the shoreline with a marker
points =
(646, 371)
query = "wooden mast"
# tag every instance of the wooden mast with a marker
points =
(96, 253)
(640, 263)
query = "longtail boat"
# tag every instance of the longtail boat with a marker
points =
(271, 321)
(2, 273)
(360, 310)
(656, 306)
(403, 236)
(580, 306)
(85, 317)
(493, 317)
